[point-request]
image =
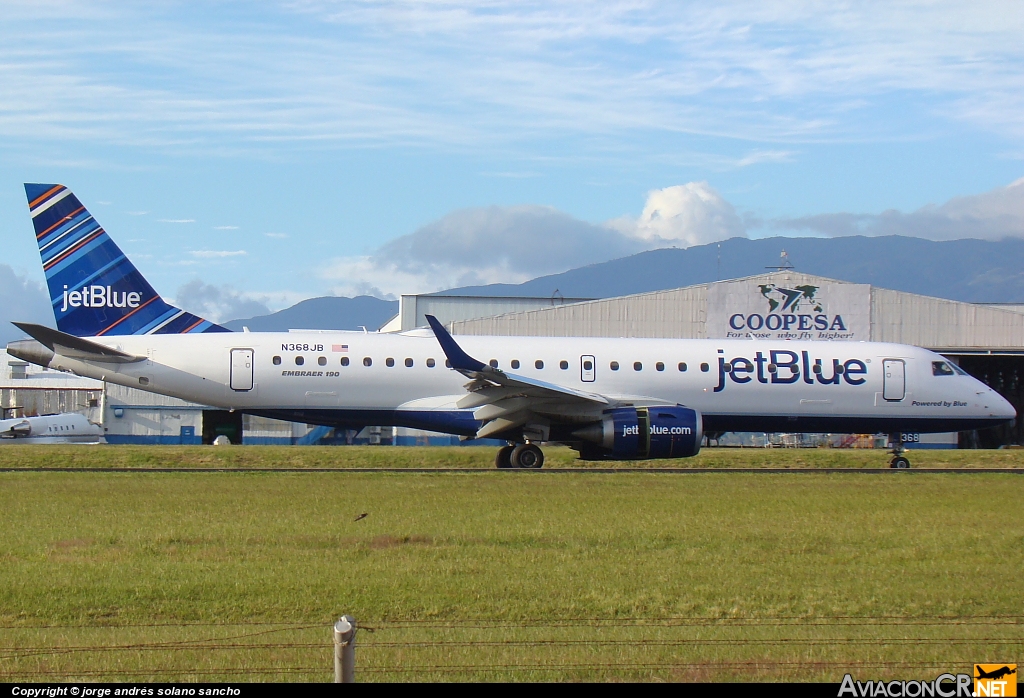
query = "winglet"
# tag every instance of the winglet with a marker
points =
(459, 359)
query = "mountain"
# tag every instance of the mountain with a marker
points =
(977, 271)
(327, 313)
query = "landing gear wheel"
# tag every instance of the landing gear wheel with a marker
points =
(527, 456)
(899, 462)
(503, 459)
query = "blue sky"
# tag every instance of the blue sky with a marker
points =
(249, 155)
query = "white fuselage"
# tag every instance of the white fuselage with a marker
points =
(50, 429)
(305, 373)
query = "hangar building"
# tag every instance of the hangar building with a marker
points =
(987, 340)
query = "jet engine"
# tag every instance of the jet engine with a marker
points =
(638, 433)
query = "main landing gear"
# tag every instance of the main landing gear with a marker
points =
(521, 456)
(898, 460)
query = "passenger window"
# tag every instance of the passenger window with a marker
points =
(637, 366)
(515, 363)
(430, 363)
(682, 366)
(659, 366)
(704, 368)
(772, 368)
(299, 361)
(493, 363)
(344, 361)
(563, 364)
(389, 362)
(941, 368)
(367, 361)
(816, 368)
(277, 360)
(447, 363)
(322, 361)
(408, 363)
(538, 364)
(614, 365)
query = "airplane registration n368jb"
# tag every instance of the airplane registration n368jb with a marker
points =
(610, 399)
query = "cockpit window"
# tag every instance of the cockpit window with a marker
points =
(941, 368)
(960, 370)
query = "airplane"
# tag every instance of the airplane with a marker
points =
(65, 428)
(607, 398)
(995, 673)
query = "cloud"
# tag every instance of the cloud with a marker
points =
(686, 214)
(217, 254)
(278, 236)
(311, 73)
(137, 213)
(225, 227)
(175, 220)
(219, 303)
(21, 300)
(511, 244)
(992, 215)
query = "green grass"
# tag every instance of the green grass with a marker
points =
(83, 456)
(506, 576)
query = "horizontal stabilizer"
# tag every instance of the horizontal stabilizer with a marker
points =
(75, 347)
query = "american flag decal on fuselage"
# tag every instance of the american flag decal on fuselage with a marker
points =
(94, 289)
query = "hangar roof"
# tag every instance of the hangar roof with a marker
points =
(783, 304)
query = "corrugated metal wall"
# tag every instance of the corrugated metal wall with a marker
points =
(904, 318)
(678, 313)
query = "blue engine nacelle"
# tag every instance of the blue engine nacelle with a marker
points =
(638, 433)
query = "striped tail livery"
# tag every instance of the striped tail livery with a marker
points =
(94, 289)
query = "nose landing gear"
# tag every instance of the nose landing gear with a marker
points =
(527, 456)
(898, 460)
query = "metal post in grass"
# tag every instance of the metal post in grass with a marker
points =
(345, 650)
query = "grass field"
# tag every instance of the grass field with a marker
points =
(80, 456)
(498, 575)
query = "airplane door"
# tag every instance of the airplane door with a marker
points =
(588, 369)
(894, 386)
(241, 369)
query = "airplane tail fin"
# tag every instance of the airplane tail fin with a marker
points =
(94, 289)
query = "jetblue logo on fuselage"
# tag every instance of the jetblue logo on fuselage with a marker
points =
(782, 366)
(100, 297)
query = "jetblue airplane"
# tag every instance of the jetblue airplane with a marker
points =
(67, 428)
(610, 399)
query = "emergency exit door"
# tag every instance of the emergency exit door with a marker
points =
(894, 386)
(588, 369)
(241, 369)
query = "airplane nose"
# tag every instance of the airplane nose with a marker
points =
(1003, 408)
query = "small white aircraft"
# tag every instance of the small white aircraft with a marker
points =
(66, 428)
(610, 399)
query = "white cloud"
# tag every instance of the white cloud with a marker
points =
(175, 220)
(992, 215)
(219, 303)
(217, 254)
(21, 300)
(465, 73)
(686, 214)
(278, 236)
(225, 227)
(137, 213)
(511, 244)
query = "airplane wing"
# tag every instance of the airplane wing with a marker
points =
(506, 400)
(75, 347)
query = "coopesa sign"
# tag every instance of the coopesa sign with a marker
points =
(781, 307)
